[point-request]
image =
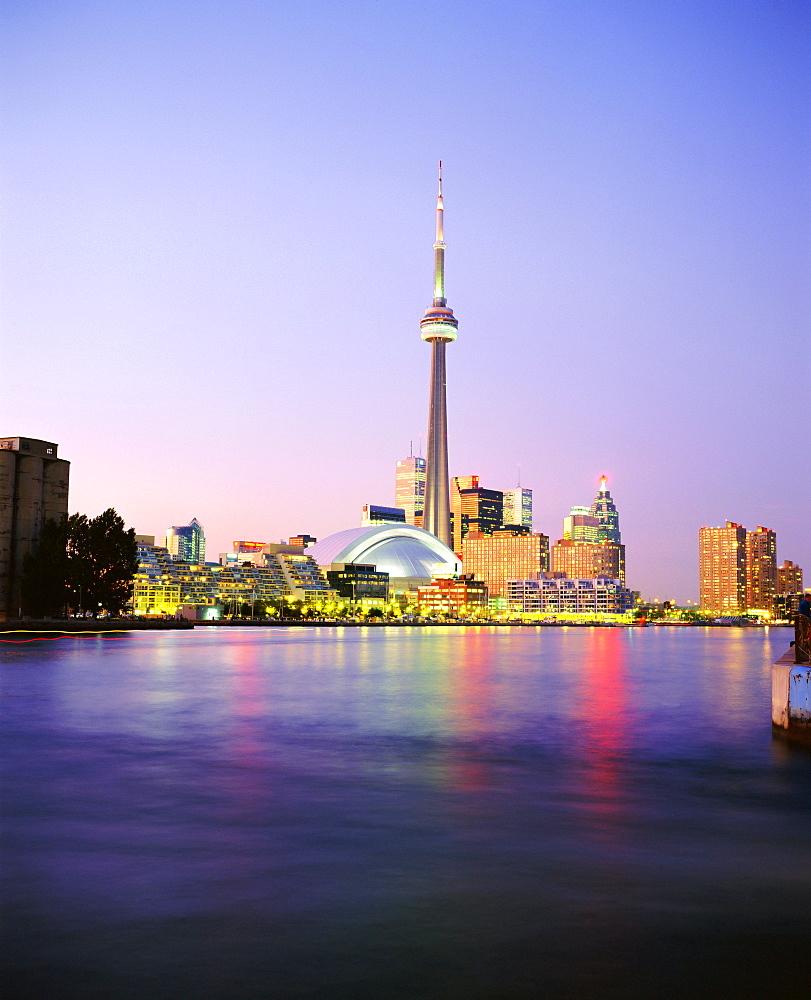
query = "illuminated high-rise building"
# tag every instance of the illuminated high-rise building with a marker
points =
(374, 514)
(789, 589)
(518, 508)
(591, 545)
(604, 509)
(789, 578)
(187, 542)
(438, 327)
(474, 508)
(505, 555)
(409, 488)
(722, 568)
(588, 560)
(580, 525)
(761, 569)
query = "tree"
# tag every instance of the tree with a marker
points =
(101, 562)
(45, 571)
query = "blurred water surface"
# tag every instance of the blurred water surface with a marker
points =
(417, 813)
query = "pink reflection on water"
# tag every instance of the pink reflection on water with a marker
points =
(606, 729)
(471, 706)
(248, 704)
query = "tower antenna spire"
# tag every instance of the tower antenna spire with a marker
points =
(439, 247)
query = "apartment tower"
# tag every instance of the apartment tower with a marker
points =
(761, 569)
(722, 568)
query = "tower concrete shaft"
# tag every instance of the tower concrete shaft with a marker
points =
(437, 516)
(438, 326)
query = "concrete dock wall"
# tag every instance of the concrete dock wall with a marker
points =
(791, 697)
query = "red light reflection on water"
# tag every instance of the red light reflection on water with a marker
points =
(605, 728)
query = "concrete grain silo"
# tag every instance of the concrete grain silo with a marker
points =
(33, 487)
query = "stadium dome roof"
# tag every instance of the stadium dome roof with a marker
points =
(401, 550)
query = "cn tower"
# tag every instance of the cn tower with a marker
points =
(438, 326)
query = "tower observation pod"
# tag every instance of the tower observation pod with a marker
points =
(438, 327)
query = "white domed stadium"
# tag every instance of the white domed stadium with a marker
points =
(410, 555)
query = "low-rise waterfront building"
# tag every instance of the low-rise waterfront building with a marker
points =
(460, 595)
(559, 595)
(156, 586)
(360, 583)
(163, 584)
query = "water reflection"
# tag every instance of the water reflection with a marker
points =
(608, 729)
(428, 813)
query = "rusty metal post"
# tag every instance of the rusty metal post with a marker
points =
(802, 635)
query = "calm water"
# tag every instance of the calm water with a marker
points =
(424, 813)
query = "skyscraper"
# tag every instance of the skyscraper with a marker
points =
(187, 542)
(789, 578)
(374, 514)
(409, 488)
(591, 545)
(606, 513)
(722, 568)
(761, 569)
(789, 589)
(474, 508)
(580, 525)
(438, 327)
(518, 508)
(588, 560)
(505, 555)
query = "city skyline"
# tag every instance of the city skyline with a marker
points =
(215, 239)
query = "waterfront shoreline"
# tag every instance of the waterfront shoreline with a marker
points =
(70, 625)
(89, 625)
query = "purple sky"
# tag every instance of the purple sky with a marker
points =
(218, 221)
